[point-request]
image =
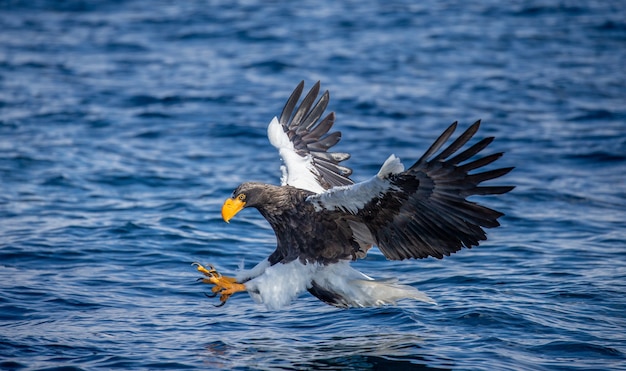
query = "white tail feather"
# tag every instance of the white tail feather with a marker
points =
(355, 289)
(383, 292)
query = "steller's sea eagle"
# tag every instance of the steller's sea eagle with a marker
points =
(323, 220)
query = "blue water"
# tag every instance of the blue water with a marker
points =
(125, 124)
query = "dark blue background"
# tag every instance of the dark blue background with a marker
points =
(124, 125)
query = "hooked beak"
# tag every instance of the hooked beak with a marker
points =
(231, 207)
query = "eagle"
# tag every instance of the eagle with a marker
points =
(323, 220)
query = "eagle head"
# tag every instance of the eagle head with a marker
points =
(248, 194)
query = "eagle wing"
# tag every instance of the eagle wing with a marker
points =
(303, 141)
(422, 211)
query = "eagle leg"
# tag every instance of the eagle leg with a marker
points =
(224, 286)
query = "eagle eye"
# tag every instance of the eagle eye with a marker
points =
(241, 197)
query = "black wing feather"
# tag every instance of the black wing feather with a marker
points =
(437, 144)
(310, 136)
(459, 142)
(425, 211)
(290, 105)
(299, 117)
(316, 112)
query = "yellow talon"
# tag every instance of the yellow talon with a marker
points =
(224, 286)
(207, 272)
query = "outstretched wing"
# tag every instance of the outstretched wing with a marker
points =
(424, 210)
(303, 141)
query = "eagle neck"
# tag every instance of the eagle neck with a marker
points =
(285, 210)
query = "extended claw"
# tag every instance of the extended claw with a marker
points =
(224, 286)
(211, 272)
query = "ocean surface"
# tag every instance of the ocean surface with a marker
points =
(125, 124)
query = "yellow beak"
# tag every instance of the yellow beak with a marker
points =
(231, 207)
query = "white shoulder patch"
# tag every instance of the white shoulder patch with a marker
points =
(350, 198)
(391, 166)
(277, 136)
(297, 171)
(354, 197)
